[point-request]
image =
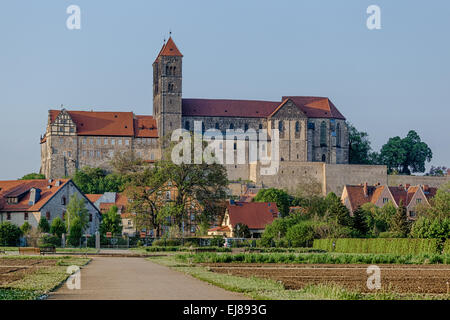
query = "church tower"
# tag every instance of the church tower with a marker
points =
(167, 93)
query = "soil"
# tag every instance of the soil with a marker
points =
(431, 279)
(15, 269)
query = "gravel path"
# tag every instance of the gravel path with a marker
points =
(114, 278)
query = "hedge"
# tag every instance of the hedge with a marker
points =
(380, 245)
(446, 249)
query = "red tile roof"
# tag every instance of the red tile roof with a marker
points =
(93, 197)
(228, 108)
(256, 215)
(123, 124)
(313, 107)
(220, 229)
(316, 107)
(169, 49)
(14, 188)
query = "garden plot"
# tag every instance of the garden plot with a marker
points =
(423, 279)
(16, 269)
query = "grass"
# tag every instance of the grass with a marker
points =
(315, 258)
(42, 281)
(58, 250)
(266, 289)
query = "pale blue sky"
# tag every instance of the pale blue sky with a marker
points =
(385, 81)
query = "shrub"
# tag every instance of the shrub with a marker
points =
(9, 234)
(25, 228)
(48, 240)
(167, 242)
(43, 225)
(380, 245)
(301, 234)
(217, 241)
(75, 233)
(58, 227)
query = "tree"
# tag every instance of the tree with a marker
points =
(33, 176)
(360, 150)
(280, 197)
(58, 227)
(111, 222)
(405, 155)
(43, 225)
(431, 227)
(400, 221)
(96, 180)
(125, 163)
(9, 234)
(76, 209)
(241, 231)
(75, 232)
(301, 234)
(359, 222)
(337, 211)
(437, 171)
(25, 228)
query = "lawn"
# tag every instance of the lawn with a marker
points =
(32, 277)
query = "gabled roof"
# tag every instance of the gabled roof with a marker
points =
(169, 49)
(123, 124)
(312, 107)
(21, 189)
(256, 215)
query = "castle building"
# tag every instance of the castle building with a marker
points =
(311, 129)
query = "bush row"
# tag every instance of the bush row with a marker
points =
(179, 248)
(379, 245)
(316, 258)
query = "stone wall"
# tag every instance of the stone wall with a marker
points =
(395, 180)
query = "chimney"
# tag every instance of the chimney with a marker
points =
(35, 195)
(50, 180)
(57, 183)
(366, 192)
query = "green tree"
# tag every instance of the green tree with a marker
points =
(33, 176)
(301, 234)
(76, 209)
(360, 150)
(241, 231)
(43, 225)
(400, 223)
(431, 227)
(437, 171)
(58, 227)
(96, 180)
(75, 232)
(26, 228)
(405, 155)
(359, 222)
(125, 163)
(9, 234)
(337, 211)
(111, 222)
(280, 197)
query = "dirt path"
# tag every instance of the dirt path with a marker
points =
(112, 278)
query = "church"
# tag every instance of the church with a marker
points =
(311, 129)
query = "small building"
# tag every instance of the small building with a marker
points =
(28, 200)
(105, 201)
(355, 196)
(255, 215)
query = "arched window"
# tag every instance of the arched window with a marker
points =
(260, 126)
(323, 134)
(167, 70)
(338, 135)
(203, 127)
(187, 125)
(174, 68)
(246, 127)
(231, 126)
(217, 126)
(324, 158)
(280, 126)
(297, 127)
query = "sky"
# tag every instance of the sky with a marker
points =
(385, 81)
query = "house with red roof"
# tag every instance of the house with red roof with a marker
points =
(255, 215)
(354, 196)
(311, 129)
(28, 200)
